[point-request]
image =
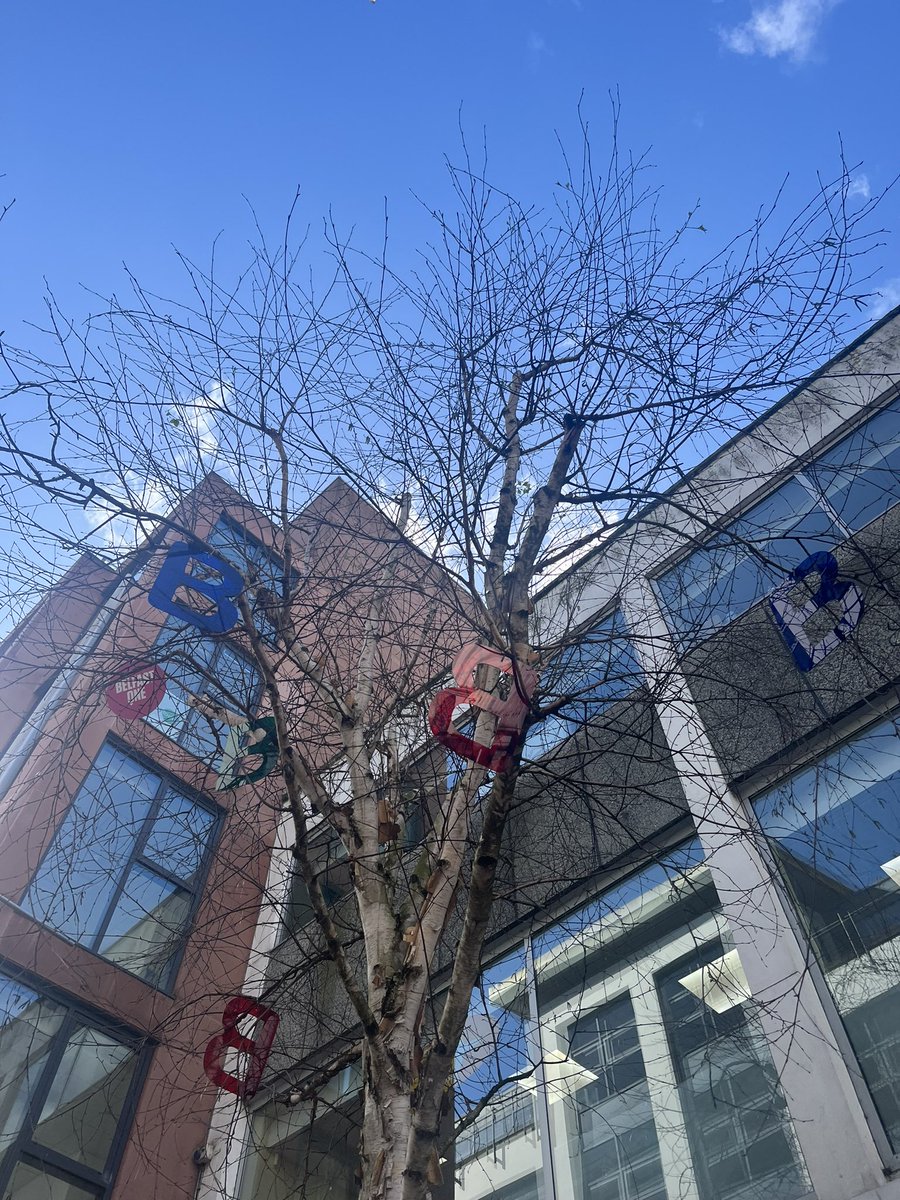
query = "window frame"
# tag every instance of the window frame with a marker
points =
(813, 751)
(217, 646)
(135, 857)
(23, 1148)
(243, 535)
(802, 470)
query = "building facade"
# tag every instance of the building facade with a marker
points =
(130, 884)
(691, 987)
(692, 984)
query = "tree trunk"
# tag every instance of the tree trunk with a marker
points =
(387, 1116)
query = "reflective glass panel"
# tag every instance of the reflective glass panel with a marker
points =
(860, 476)
(636, 1062)
(196, 666)
(74, 884)
(38, 1183)
(835, 832)
(81, 1113)
(179, 835)
(313, 1162)
(27, 1025)
(145, 931)
(494, 1085)
(117, 817)
(590, 676)
(256, 564)
(734, 569)
(735, 1114)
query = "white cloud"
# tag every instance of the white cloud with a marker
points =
(859, 186)
(125, 533)
(537, 45)
(888, 297)
(787, 27)
(194, 423)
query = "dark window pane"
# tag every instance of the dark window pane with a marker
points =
(835, 832)
(146, 928)
(74, 885)
(718, 582)
(298, 907)
(27, 1025)
(37, 1183)
(179, 835)
(81, 1113)
(860, 476)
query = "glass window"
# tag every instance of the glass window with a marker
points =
(257, 564)
(739, 566)
(64, 1090)
(494, 1086)
(197, 666)
(860, 476)
(122, 873)
(42, 1183)
(655, 1085)
(334, 879)
(309, 1152)
(835, 832)
(28, 1023)
(590, 676)
(81, 1113)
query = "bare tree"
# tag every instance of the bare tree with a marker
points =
(538, 378)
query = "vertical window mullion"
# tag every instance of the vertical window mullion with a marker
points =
(139, 843)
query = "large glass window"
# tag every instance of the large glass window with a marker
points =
(125, 867)
(589, 676)
(330, 856)
(494, 1088)
(201, 667)
(835, 832)
(847, 487)
(310, 1150)
(64, 1091)
(860, 476)
(260, 567)
(739, 566)
(652, 1077)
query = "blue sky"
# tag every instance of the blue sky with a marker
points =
(131, 128)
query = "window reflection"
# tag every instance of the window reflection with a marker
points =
(197, 666)
(64, 1087)
(650, 1090)
(308, 1153)
(835, 833)
(860, 476)
(122, 872)
(81, 1112)
(739, 566)
(592, 675)
(494, 1086)
(844, 489)
(28, 1023)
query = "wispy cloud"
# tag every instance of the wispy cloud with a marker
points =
(537, 47)
(193, 442)
(786, 27)
(886, 298)
(859, 186)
